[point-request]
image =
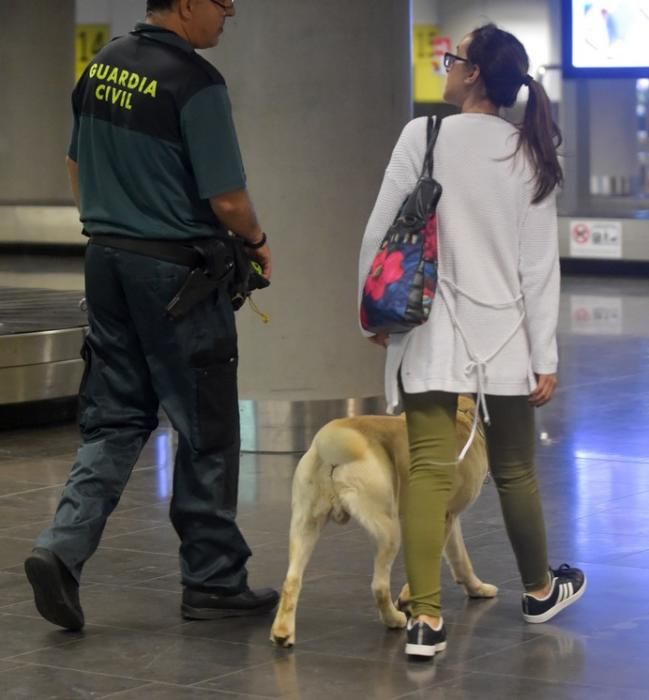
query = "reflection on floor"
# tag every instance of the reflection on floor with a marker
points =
(593, 460)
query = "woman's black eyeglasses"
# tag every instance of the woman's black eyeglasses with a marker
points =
(451, 58)
(225, 6)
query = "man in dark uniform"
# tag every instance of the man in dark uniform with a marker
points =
(156, 171)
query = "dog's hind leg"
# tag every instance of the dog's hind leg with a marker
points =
(387, 534)
(312, 503)
(305, 531)
(385, 531)
(458, 559)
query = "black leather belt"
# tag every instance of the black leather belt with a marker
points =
(183, 253)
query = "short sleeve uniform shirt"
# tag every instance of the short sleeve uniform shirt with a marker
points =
(154, 139)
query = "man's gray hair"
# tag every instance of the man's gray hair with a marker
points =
(159, 5)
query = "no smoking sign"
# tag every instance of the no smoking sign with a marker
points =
(596, 239)
(581, 233)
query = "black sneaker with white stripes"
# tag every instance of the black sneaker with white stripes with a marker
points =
(568, 585)
(423, 641)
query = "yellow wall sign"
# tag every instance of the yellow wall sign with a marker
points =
(89, 39)
(429, 74)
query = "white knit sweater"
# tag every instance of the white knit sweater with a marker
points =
(494, 317)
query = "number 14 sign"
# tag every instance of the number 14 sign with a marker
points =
(90, 38)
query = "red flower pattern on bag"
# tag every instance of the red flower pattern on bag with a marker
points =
(430, 239)
(386, 268)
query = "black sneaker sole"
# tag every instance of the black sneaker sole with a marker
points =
(49, 595)
(190, 613)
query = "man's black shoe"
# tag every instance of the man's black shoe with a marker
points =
(56, 592)
(200, 605)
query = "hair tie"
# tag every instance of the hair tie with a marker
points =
(527, 80)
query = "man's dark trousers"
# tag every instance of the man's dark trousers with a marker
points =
(137, 358)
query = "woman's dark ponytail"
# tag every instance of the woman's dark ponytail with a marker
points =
(540, 137)
(503, 64)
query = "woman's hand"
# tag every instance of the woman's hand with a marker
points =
(380, 339)
(545, 386)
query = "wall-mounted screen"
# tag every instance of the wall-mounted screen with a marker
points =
(603, 39)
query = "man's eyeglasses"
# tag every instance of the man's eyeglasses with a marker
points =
(226, 6)
(451, 58)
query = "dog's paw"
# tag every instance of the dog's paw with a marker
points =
(483, 590)
(395, 621)
(284, 642)
(281, 636)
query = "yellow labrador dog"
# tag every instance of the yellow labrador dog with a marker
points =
(355, 468)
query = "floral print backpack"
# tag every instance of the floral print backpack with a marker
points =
(399, 290)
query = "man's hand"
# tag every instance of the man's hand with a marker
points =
(545, 386)
(380, 339)
(235, 211)
(263, 257)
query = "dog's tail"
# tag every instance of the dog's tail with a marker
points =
(337, 444)
(334, 444)
(313, 490)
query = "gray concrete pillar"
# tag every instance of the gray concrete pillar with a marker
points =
(37, 77)
(320, 92)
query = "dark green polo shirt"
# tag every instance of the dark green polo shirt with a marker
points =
(154, 138)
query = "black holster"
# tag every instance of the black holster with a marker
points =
(212, 263)
(213, 273)
(239, 286)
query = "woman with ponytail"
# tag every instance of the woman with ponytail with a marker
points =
(492, 327)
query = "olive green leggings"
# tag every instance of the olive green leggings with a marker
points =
(510, 445)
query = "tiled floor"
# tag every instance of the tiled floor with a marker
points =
(594, 467)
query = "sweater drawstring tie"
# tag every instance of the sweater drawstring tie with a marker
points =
(476, 364)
